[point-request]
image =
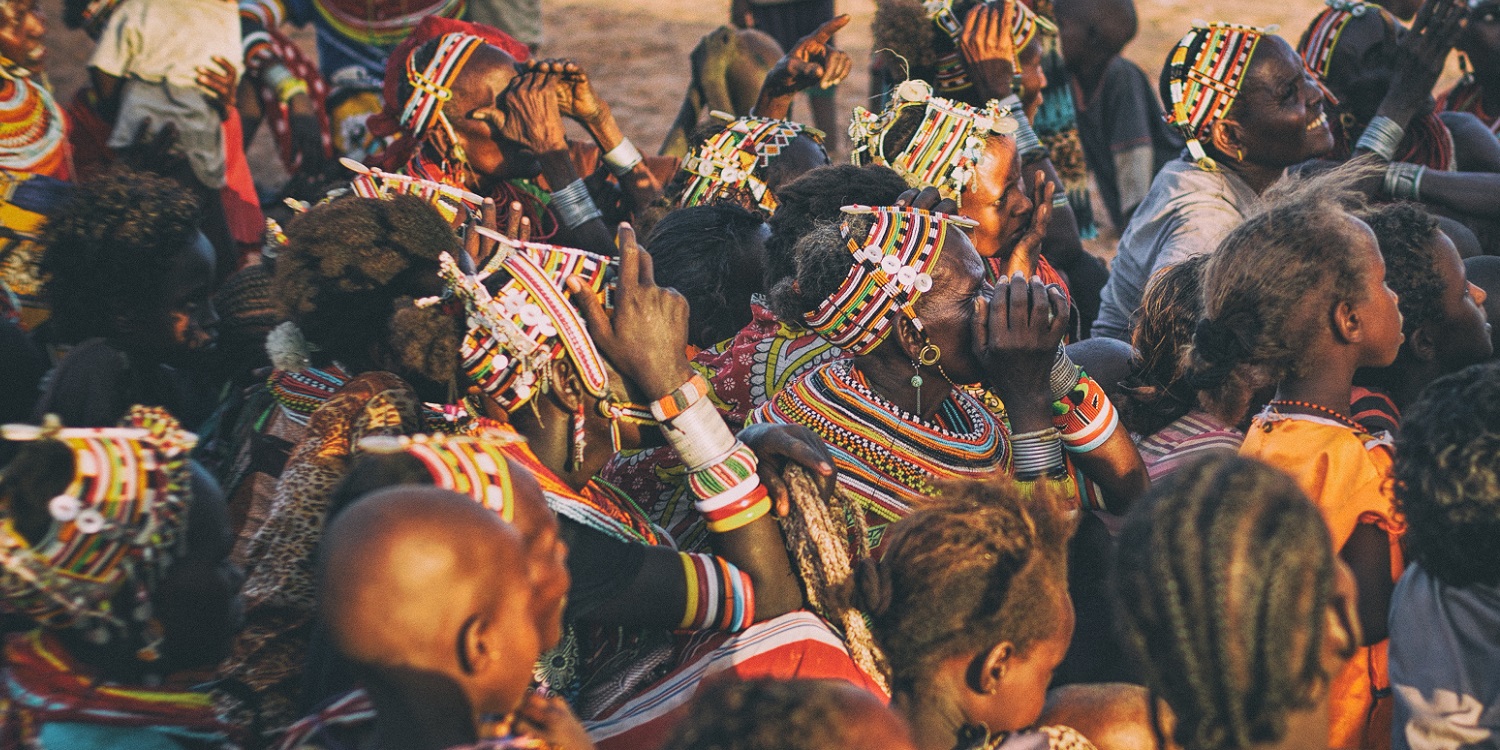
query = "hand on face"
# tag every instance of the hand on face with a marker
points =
(1016, 333)
(533, 116)
(1027, 254)
(646, 339)
(988, 49)
(575, 96)
(22, 32)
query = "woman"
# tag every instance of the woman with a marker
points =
(1220, 539)
(468, 117)
(1248, 110)
(115, 567)
(1177, 417)
(974, 677)
(913, 349)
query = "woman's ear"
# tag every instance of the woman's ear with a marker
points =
(989, 667)
(1423, 343)
(1347, 325)
(908, 337)
(1227, 137)
(565, 387)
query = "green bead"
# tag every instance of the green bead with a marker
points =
(916, 381)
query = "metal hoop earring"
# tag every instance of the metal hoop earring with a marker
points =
(929, 355)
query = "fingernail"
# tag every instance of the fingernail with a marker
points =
(825, 468)
(1035, 279)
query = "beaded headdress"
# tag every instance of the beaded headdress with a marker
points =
(892, 269)
(516, 333)
(432, 86)
(947, 147)
(1205, 71)
(952, 77)
(734, 160)
(119, 521)
(450, 201)
(469, 466)
(1322, 37)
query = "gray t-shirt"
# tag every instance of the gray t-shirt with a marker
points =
(1186, 213)
(1445, 664)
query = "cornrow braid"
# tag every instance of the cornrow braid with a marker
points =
(966, 572)
(1222, 573)
(825, 540)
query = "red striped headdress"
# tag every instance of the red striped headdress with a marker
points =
(1205, 72)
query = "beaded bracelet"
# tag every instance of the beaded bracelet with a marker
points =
(735, 469)
(1028, 145)
(574, 206)
(1085, 417)
(700, 436)
(720, 596)
(669, 406)
(1381, 137)
(623, 158)
(1403, 181)
(1061, 200)
(1036, 453)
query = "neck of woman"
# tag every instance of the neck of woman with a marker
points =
(548, 429)
(890, 378)
(935, 719)
(1258, 177)
(407, 718)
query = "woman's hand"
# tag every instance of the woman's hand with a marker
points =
(1423, 52)
(219, 84)
(1027, 254)
(575, 96)
(646, 340)
(549, 719)
(927, 199)
(1016, 333)
(814, 61)
(778, 446)
(988, 49)
(533, 118)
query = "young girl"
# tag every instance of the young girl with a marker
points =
(1305, 314)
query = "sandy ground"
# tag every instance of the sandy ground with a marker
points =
(636, 52)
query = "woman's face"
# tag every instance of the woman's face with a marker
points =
(996, 198)
(478, 88)
(22, 28)
(1364, 63)
(1033, 79)
(1280, 109)
(1463, 336)
(947, 312)
(185, 324)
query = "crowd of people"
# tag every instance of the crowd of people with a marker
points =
(476, 436)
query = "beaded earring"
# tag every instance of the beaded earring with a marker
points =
(928, 357)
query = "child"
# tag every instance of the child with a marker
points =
(129, 281)
(790, 715)
(1297, 296)
(431, 596)
(1442, 313)
(115, 555)
(1483, 271)
(1446, 610)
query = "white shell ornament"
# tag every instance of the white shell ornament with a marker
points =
(89, 521)
(913, 90)
(64, 508)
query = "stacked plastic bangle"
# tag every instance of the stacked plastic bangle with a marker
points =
(1085, 417)
(622, 159)
(675, 403)
(719, 595)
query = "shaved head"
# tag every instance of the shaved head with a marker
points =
(427, 580)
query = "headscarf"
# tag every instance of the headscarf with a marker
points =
(733, 161)
(1205, 72)
(119, 522)
(32, 135)
(470, 466)
(947, 147)
(952, 76)
(516, 333)
(1427, 140)
(892, 269)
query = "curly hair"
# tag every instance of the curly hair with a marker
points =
(349, 277)
(902, 27)
(1222, 577)
(1159, 391)
(976, 568)
(1268, 286)
(1447, 477)
(1405, 232)
(711, 255)
(767, 714)
(818, 196)
(110, 249)
(822, 264)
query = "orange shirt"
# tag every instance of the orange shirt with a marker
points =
(1346, 474)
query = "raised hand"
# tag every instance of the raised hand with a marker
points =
(219, 84)
(533, 118)
(646, 339)
(988, 49)
(1027, 253)
(575, 96)
(813, 61)
(1423, 52)
(1016, 333)
(927, 199)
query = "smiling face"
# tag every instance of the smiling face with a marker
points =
(22, 28)
(997, 199)
(1278, 119)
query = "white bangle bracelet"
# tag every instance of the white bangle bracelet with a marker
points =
(623, 158)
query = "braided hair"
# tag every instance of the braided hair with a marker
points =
(1222, 578)
(979, 567)
(820, 195)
